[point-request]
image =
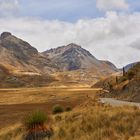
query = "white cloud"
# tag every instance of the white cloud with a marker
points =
(109, 37)
(136, 44)
(8, 7)
(112, 5)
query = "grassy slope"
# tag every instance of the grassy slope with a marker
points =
(90, 121)
(10, 80)
(94, 121)
(124, 87)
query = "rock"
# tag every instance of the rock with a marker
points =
(5, 34)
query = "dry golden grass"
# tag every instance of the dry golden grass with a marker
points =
(14, 132)
(135, 138)
(98, 122)
(90, 121)
(42, 94)
(16, 103)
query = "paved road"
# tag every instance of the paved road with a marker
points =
(115, 102)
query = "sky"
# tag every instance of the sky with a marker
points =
(109, 29)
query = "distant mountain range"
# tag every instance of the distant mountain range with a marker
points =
(129, 66)
(19, 58)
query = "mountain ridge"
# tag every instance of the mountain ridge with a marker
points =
(20, 58)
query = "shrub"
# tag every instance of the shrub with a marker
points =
(37, 118)
(57, 109)
(68, 108)
(123, 78)
(130, 75)
(110, 85)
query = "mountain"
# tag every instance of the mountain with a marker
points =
(71, 64)
(19, 57)
(21, 64)
(74, 57)
(77, 65)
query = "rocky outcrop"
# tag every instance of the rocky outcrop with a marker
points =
(5, 34)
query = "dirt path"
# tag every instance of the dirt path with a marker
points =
(115, 102)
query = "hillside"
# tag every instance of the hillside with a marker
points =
(8, 79)
(19, 57)
(21, 64)
(126, 87)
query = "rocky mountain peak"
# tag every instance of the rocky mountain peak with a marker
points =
(5, 34)
(17, 47)
(73, 45)
(74, 57)
(69, 47)
(61, 50)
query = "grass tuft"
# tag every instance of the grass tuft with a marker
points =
(37, 118)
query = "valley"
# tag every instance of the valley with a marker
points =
(88, 115)
(69, 69)
(65, 83)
